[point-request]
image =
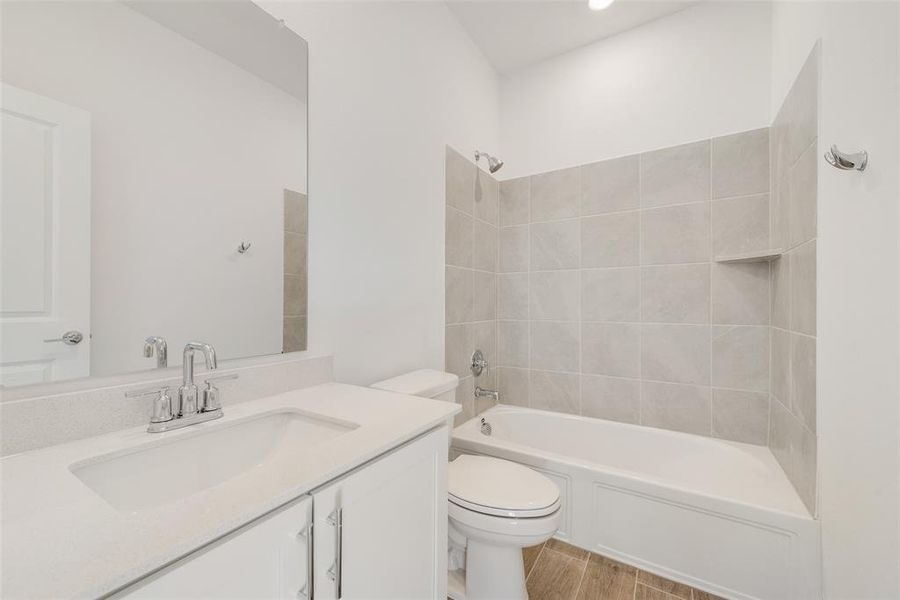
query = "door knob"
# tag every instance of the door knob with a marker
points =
(69, 338)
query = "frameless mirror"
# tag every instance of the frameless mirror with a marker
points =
(153, 185)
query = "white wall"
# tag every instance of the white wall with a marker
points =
(390, 85)
(190, 155)
(858, 275)
(698, 74)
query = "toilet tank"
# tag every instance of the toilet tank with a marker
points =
(427, 383)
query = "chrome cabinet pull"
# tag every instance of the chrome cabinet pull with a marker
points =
(69, 338)
(336, 519)
(306, 592)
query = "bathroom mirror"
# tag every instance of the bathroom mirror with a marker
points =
(139, 137)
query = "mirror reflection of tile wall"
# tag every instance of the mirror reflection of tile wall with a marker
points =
(295, 244)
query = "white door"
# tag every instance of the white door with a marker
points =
(45, 239)
(381, 532)
(266, 560)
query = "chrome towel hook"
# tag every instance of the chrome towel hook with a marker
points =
(244, 247)
(847, 162)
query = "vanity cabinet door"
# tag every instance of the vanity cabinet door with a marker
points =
(265, 559)
(381, 531)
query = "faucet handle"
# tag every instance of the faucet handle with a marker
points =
(211, 400)
(162, 405)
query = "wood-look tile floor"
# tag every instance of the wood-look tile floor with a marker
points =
(558, 571)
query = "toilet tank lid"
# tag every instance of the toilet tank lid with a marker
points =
(424, 382)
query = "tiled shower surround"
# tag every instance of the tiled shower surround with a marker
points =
(795, 156)
(471, 256)
(610, 302)
(639, 289)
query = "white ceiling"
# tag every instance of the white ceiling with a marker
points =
(516, 33)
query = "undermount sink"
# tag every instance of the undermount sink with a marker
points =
(157, 474)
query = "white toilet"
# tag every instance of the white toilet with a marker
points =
(496, 508)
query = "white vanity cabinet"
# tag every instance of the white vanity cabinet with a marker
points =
(265, 559)
(381, 531)
(378, 531)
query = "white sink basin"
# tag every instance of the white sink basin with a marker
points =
(158, 473)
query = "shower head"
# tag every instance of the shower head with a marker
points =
(494, 163)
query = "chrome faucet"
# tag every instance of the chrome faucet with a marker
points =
(185, 410)
(157, 344)
(480, 392)
(187, 393)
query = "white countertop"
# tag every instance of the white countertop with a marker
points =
(61, 540)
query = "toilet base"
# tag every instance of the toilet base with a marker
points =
(492, 573)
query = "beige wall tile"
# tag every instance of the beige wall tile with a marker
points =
(512, 296)
(513, 344)
(804, 192)
(611, 294)
(296, 212)
(740, 357)
(555, 296)
(780, 365)
(459, 174)
(555, 245)
(514, 386)
(794, 447)
(294, 253)
(555, 346)
(780, 281)
(554, 195)
(740, 225)
(676, 353)
(673, 406)
(805, 459)
(610, 240)
(803, 379)
(458, 240)
(803, 288)
(515, 201)
(555, 391)
(459, 298)
(465, 397)
(294, 296)
(458, 349)
(610, 185)
(611, 398)
(611, 349)
(740, 416)
(514, 249)
(740, 294)
(294, 334)
(675, 294)
(486, 197)
(740, 164)
(485, 246)
(484, 296)
(676, 175)
(779, 207)
(678, 234)
(781, 425)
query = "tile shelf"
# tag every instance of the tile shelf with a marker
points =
(754, 256)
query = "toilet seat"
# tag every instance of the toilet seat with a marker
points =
(500, 488)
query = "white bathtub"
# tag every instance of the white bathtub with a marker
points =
(717, 515)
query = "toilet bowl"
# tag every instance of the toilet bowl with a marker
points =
(495, 508)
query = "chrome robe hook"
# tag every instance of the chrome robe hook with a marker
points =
(847, 162)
